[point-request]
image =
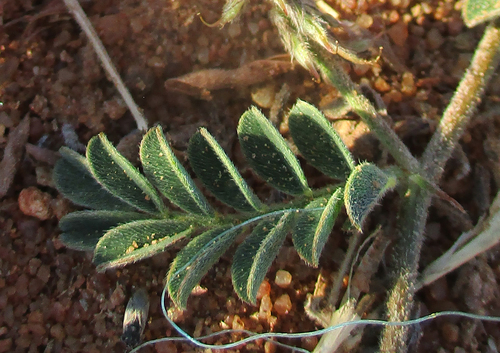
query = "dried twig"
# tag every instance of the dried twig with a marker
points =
(12, 154)
(200, 83)
(80, 17)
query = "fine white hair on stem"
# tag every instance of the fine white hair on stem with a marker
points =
(79, 15)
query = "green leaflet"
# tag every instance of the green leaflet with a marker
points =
(218, 173)
(313, 228)
(318, 142)
(137, 240)
(254, 256)
(81, 230)
(269, 155)
(195, 259)
(476, 12)
(169, 176)
(120, 177)
(366, 185)
(74, 180)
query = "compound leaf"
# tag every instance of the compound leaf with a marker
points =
(318, 142)
(81, 230)
(476, 12)
(137, 240)
(218, 173)
(254, 256)
(366, 185)
(313, 227)
(269, 155)
(120, 177)
(169, 176)
(74, 180)
(195, 259)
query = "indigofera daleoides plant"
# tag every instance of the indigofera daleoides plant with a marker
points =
(127, 219)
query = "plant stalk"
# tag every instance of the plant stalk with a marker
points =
(415, 208)
(463, 104)
(405, 259)
(334, 73)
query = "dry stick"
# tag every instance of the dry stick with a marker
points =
(80, 17)
(450, 129)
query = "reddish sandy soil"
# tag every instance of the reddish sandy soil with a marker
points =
(51, 84)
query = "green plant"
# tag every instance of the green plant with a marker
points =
(118, 233)
(304, 36)
(130, 221)
(475, 12)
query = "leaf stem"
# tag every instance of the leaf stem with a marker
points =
(414, 212)
(333, 73)
(405, 256)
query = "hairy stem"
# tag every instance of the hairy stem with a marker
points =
(405, 258)
(463, 104)
(334, 73)
(414, 212)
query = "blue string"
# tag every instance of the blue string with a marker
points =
(276, 335)
(241, 225)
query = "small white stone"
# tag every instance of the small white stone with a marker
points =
(283, 279)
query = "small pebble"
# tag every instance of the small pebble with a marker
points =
(398, 33)
(269, 347)
(117, 298)
(35, 317)
(237, 323)
(264, 289)
(156, 62)
(408, 87)
(283, 278)
(450, 332)
(266, 305)
(44, 273)
(22, 286)
(381, 85)
(176, 314)
(113, 28)
(264, 96)
(33, 265)
(309, 343)
(166, 347)
(283, 304)
(62, 38)
(234, 29)
(44, 176)
(364, 20)
(253, 28)
(203, 55)
(434, 39)
(115, 108)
